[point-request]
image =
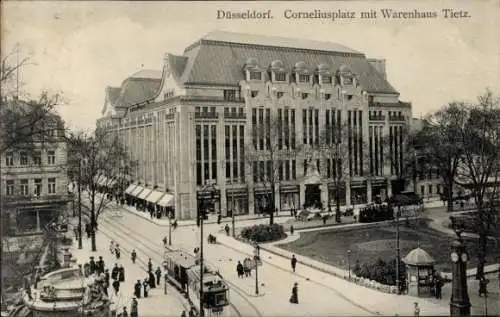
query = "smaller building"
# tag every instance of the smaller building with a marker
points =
(33, 171)
(419, 272)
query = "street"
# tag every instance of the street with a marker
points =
(338, 297)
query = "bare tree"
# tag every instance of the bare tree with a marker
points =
(480, 165)
(98, 154)
(273, 143)
(441, 144)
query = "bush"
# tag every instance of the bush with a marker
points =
(381, 272)
(264, 233)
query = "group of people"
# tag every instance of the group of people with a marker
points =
(150, 281)
(114, 248)
(244, 270)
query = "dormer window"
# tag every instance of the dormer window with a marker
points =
(304, 95)
(254, 75)
(326, 79)
(279, 94)
(280, 76)
(254, 93)
(303, 78)
(328, 96)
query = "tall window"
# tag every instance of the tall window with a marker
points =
(23, 187)
(292, 128)
(24, 158)
(52, 186)
(9, 159)
(51, 157)
(37, 158)
(230, 94)
(198, 154)
(10, 188)
(38, 187)
(228, 151)
(255, 75)
(280, 76)
(242, 153)
(304, 78)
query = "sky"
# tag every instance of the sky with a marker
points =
(79, 48)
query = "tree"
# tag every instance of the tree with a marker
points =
(336, 142)
(442, 146)
(267, 154)
(100, 153)
(480, 165)
(22, 123)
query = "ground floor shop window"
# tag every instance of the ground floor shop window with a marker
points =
(46, 217)
(289, 201)
(332, 196)
(27, 220)
(238, 205)
(262, 203)
(358, 196)
(379, 194)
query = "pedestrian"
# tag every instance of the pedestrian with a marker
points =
(291, 230)
(191, 312)
(145, 284)
(116, 286)
(152, 282)
(121, 274)
(124, 313)
(106, 276)
(438, 286)
(87, 230)
(416, 310)
(246, 267)
(114, 272)
(226, 228)
(112, 247)
(219, 218)
(150, 265)
(293, 262)
(133, 255)
(239, 269)
(183, 314)
(158, 275)
(137, 289)
(294, 299)
(86, 269)
(134, 308)
(482, 286)
(93, 266)
(165, 284)
(165, 241)
(100, 265)
(117, 251)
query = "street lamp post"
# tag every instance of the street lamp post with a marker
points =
(349, 262)
(80, 244)
(398, 282)
(337, 182)
(459, 303)
(256, 258)
(169, 229)
(232, 213)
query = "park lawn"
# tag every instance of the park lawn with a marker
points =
(367, 245)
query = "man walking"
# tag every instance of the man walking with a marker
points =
(158, 275)
(293, 262)
(134, 308)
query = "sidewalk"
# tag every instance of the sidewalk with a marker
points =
(169, 305)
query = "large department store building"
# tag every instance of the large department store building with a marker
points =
(229, 95)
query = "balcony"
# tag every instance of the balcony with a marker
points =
(397, 119)
(170, 116)
(20, 199)
(206, 115)
(377, 118)
(234, 115)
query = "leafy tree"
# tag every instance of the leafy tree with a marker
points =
(479, 168)
(442, 144)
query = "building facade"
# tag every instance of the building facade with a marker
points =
(34, 179)
(237, 110)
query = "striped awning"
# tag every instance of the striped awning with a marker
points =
(143, 194)
(166, 201)
(137, 190)
(155, 196)
(130, 189)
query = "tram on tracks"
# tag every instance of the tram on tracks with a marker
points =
(184, 272)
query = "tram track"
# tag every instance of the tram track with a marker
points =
(122, 234)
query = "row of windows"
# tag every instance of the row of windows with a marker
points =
(206, 153)
(23, 187)
(267, 170)
(261, 129)
(286, 128)
(278, 76)
(430, 191)
(235, 153)
(36, 158)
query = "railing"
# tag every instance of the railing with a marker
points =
(397, 118)
(377, 118)
(206, 115)
(33, 198)
(234, 115)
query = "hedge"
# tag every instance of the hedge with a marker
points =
(381, 271)
(263, 233)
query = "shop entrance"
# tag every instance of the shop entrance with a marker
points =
(313, 196)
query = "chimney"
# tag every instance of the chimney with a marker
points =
(379, 65)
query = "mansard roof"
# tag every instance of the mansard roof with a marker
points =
(113, 93)
(219, 57)
(139, 87)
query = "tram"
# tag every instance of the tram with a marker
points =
(184, 272)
